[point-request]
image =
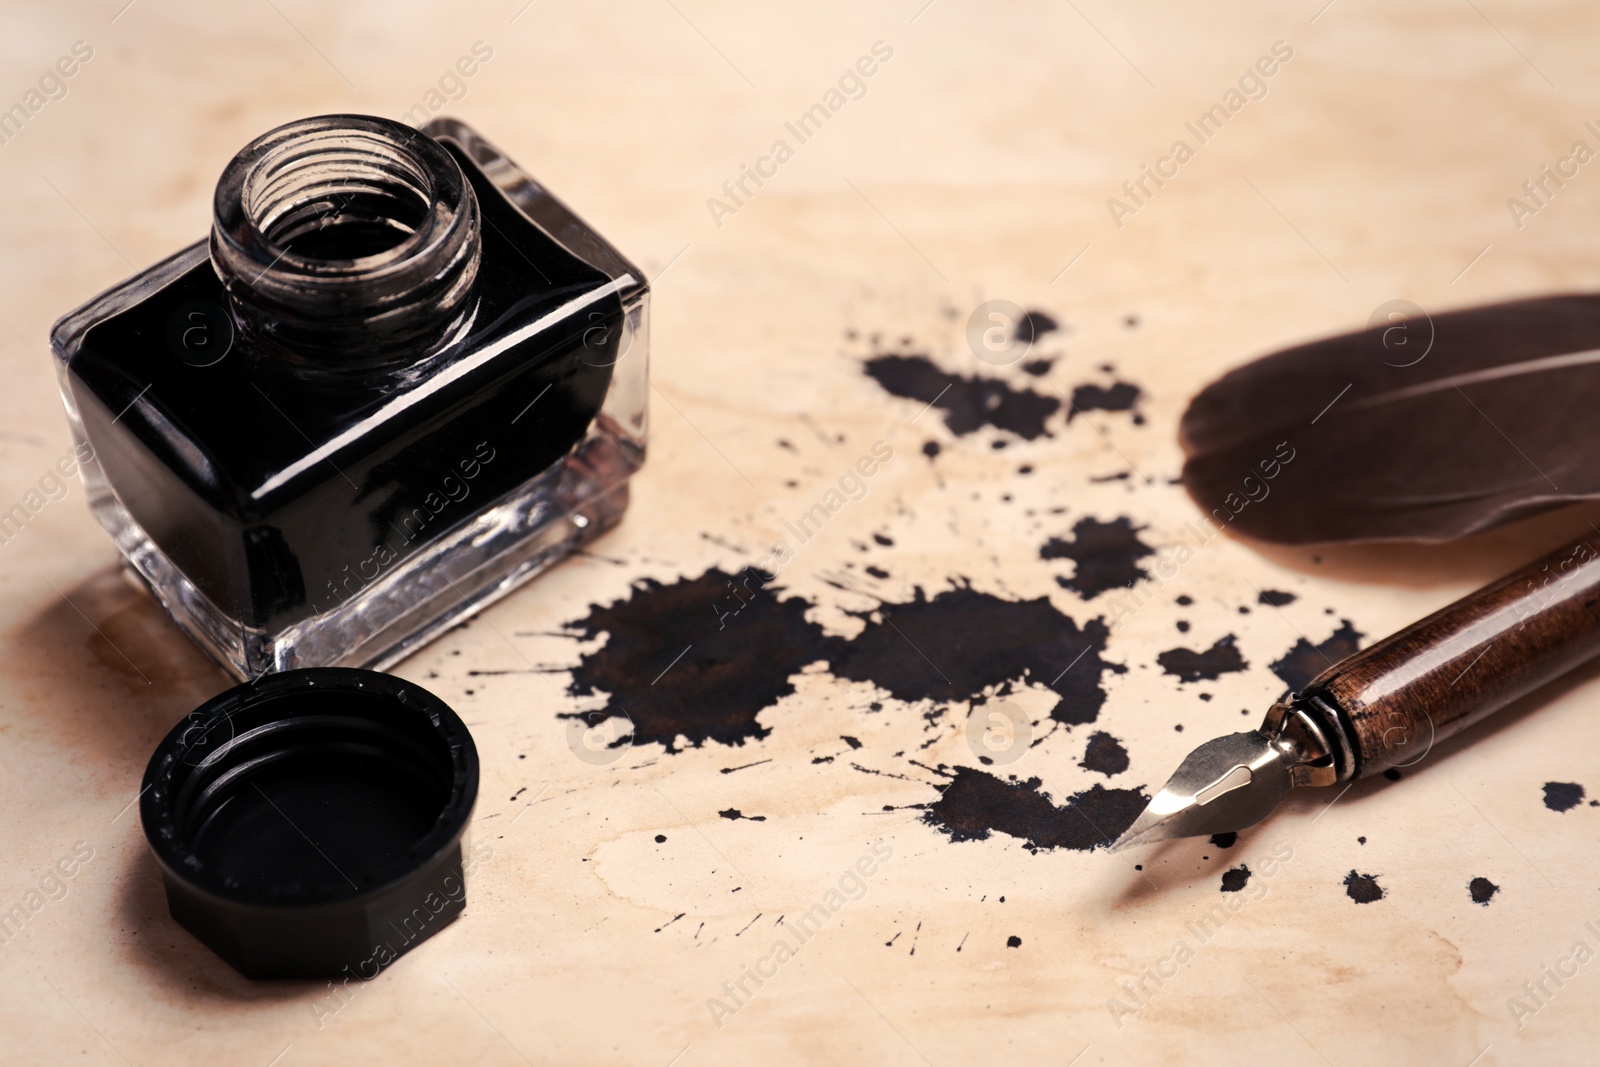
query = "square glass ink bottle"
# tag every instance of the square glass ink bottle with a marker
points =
(398, 380)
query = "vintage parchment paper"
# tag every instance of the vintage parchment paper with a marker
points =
(975, 165)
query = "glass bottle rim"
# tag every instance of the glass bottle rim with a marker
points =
(315, 167)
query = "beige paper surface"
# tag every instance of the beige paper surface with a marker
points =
(974, 164)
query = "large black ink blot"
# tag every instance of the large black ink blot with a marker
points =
(968, 403)
(976, 803)
(1107, 555)
(1305, 661)
(677, 663)
(963, 643)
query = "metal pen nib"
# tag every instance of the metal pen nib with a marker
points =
(1226, 784)
(1235, 781)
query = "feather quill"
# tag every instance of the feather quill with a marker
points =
(1413, 430)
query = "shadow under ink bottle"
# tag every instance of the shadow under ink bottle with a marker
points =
(400, 379)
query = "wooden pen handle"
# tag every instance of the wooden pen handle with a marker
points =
(1417, 687)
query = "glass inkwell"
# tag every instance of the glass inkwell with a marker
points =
(399, 379)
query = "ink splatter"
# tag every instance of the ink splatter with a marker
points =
(1276, 598)
(963, 644)
(1225, 839)
(878, 572)
(1104, 754)
(676, 669)
(968, 403)
(1190, 666)
(1235, 879)
(1038, 368)
(976, 803)
(1013, 941)
(1305, 661)
(661, 839)
(1121, 396)
(1482, 890)
(1362, 888)
(1562, 796)
(931, 449)
(1106, 554)
(1034, 325)
(735, 813)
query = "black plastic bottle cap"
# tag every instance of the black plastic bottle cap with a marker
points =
(309, 824)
